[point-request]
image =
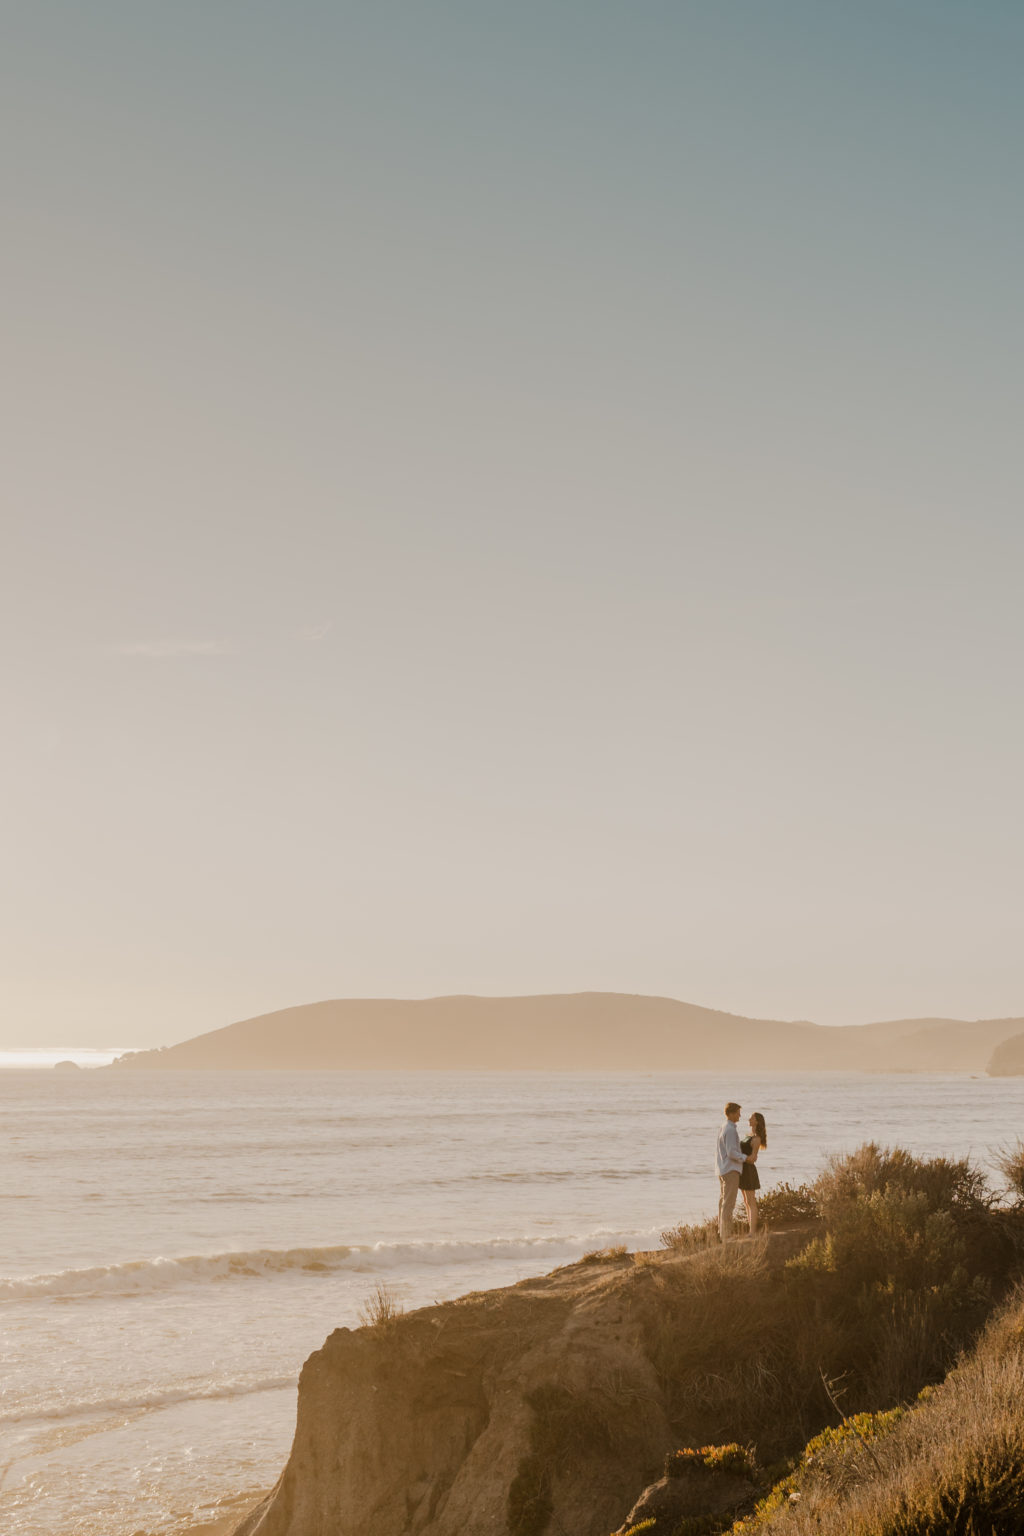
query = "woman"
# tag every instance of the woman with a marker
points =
(750, 1181)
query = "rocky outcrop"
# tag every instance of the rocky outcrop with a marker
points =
(520, 1412)
(1007, 1060)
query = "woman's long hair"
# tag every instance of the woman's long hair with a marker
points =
(759, 1130)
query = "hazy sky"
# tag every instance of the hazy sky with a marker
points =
(510, 498)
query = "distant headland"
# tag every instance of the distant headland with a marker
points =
(598, 1031)
(1008, 1057)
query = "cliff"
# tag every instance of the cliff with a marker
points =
(535, 1408)
(552, 1407)
(599, 1031)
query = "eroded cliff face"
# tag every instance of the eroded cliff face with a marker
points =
(528, 1411)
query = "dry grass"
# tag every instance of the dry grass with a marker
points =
(905, 1264)
(1009, 1161)
(952, 1466)
(782, 1205)
(646, 1259)
(381, 1309)
(715, 1332)
(898, 1279)
(605, 1255)
(691, 1239)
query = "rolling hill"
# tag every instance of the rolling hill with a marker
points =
(601, 1031)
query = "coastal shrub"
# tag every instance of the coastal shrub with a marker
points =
(892, 1277)
(890, 1238)
(897, 1280)
(381, 1309)
(690, 1239)
(953, 1185)
(994, 1236)
(782, 1203)
(735, 1460)
(834, 1459)
(1010, 1163)
(604, 1255)
(952, 1464)
(861, 1428)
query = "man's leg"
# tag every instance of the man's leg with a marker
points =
(730, 1183)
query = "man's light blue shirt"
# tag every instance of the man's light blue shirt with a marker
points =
(730, 1158)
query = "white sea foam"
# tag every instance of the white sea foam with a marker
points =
(139, 1276)
(144, 1402)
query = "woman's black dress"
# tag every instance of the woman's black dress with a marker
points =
(749, 1178)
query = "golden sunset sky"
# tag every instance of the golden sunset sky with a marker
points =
(510, 499)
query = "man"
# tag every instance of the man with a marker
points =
(730, 1165)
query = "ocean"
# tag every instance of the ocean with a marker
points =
(176, 1243)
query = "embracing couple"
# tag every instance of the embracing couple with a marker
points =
(736, 1170)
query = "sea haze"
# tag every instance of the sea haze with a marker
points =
(176, 1243)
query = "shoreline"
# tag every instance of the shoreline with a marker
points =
(596, 1275)
(234, 1508)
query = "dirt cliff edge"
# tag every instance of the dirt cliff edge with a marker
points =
(516, 1412)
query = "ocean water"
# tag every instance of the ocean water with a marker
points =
(175, 1244)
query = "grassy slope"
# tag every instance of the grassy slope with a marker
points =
(953, 1465)
(912, 1260)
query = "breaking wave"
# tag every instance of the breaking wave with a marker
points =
(141, 1276)
(145, 1402)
